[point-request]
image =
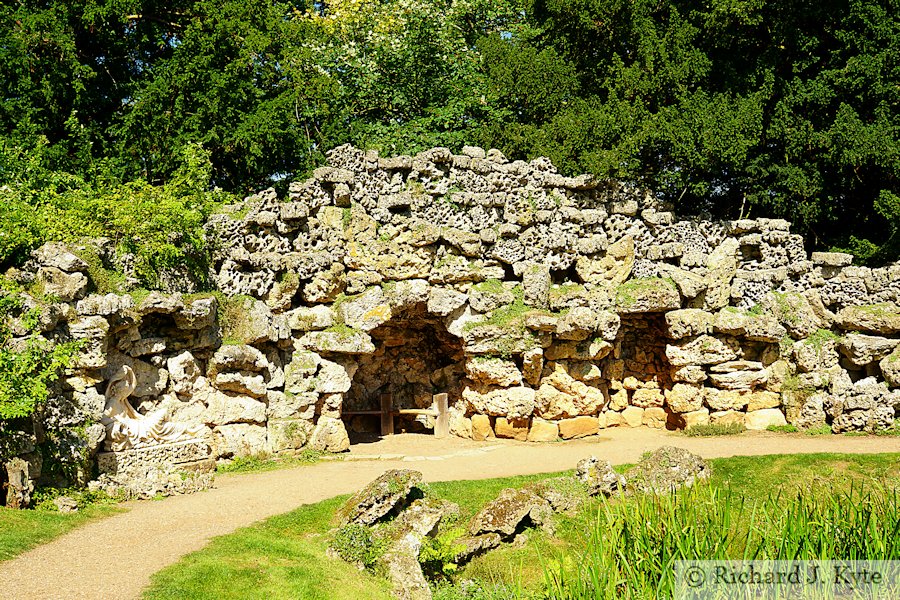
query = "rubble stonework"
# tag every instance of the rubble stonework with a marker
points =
(544, 306)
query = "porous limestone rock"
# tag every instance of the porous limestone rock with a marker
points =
(514, 402)
(512, 509)
(599, 477)
(688, 322)
(493, 371)
(330, 435)
(666, 469)
(375, 501)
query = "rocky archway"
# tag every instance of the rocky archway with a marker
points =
(638, 373)
(415, 358)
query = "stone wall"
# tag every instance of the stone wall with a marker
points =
(544, 305)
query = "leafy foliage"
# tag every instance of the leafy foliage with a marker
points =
(162, 226)
(357, 544)
(29, 363)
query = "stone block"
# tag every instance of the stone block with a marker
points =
(684, 398)
(727, 417)
(481, 428)
(614, 419)
(654, 417)
(646, 398)
(516, 429)
(578, 427)
(633, 416)
(543, 431)
(763, 418)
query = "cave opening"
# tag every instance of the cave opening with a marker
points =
(415, 359)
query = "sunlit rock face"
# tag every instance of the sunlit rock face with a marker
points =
(544, 306)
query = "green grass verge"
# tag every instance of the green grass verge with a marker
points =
(255, 464)
(285, 556)
(21, 530)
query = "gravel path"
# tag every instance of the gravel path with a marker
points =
(114, 558)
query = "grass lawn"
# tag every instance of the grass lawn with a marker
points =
(285, 556)
(24, 529)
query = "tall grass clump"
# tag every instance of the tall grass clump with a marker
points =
(633, 544)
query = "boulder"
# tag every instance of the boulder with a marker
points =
(689, 322)
(763, 418)
(330, 435)
(365, 311)
(92, 331)
(199, 314)
(239, 439)
(815, 354)
(614, 268)
(246, 382)
(493, 371)
(633, 416)
(881, 319)
(655, 417)
(59, 284)
(667, 469)
(514, 402)
(223, 409)
(335, 377)
(764, 328)
(647, 296)
(401, 561)
(890, 368)
(684, 398)
(481, 428)
(390, 491)
(512, 510)
(861, 349)
(349, 342)
(795, 314)
(291, 434)
(721, 266)
(703, 350)
(562, 396)
(237, 357)
(577, 324)
(536, 285)
(488, 296)
(407, 293)
(599, 477)
(516, 429)
(313, 318)
(543, 431)
(647, 397)
(533, 365)
(58, 255)
(443, 301)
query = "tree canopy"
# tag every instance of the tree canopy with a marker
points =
(728, 107)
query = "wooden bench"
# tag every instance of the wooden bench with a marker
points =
(387, 413)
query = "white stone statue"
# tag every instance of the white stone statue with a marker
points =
(126, 428)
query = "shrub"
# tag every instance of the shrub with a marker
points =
(782, 428)
(29, 364)
(713, 429)
(820, 430)
(438, 553)
(355, 543)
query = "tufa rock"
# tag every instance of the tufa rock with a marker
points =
(667, 469)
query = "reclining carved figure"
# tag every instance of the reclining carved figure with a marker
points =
(126, 428)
